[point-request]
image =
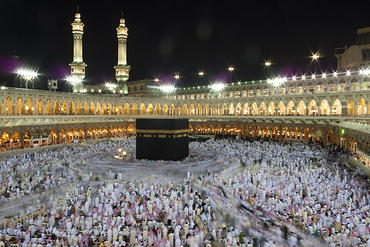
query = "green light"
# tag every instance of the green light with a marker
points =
(232, 83)
(342, 132)
(245, 82)
(253, 82)
(260, 80)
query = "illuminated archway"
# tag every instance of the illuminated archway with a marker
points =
(104, 109)
(361, 107)
(165, 109)
(199, 110)
(254, 109)
(157, 109)
(184, 110)
(72, 109)
(281, 109)
(224, 109)
(134, 109)
(246, 109)
(271, 109)
(290, 110)
(64, 108)
(312, 108)
(48, 108)
(8, 106)
(126, 109)
(206, 109)
(191, 110)
(324, 108)
(39, 108)
(336, 108)
(92, 108)
(19, 108)
(231, 109)
(238, 109)
(79, 108)
(98, 110)
(110, 109)
(172, 110)
(142, 109)
(29, 108)
(263, 110)
(178, 111)
(301, 109)
(56, 107)
(150, 109)
(86, 107)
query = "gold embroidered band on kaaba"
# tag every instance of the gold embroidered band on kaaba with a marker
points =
(151, 131)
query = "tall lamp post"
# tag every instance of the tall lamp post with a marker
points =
(231, 69)
(201, 74)
(315, 59)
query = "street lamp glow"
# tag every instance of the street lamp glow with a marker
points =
(267, 63)
(365, 72)
(315, 56)
(323, 75)
(348, 73)
(156, 79)
(27, 74)
(231, 68)
(201, 73)
(74, 80)
(335, 74)
(218, 86)
(303, 77)
(177, 76)
(277, 81)
(167, 88)
(110, 85)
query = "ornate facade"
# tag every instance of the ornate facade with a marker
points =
(332, 108)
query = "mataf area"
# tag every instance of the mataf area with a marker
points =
(226, 193)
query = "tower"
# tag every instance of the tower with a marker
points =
(122, 69)
(77, 66)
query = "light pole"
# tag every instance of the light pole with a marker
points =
(201, 74)
(267, 65)
(231, 69)
(315, 59)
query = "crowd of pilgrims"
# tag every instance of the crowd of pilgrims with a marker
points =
(293, 182)
(26, 173)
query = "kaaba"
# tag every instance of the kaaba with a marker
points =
(162, 139)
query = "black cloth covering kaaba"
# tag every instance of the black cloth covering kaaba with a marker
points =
(162, 139)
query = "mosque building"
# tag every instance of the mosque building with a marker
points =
(328, 108)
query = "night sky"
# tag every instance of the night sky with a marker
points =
(181, 36)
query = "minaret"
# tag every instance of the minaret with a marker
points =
(77, 66)
(122, 69)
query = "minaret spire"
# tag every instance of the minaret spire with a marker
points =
(77, 66)
(122, 69)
